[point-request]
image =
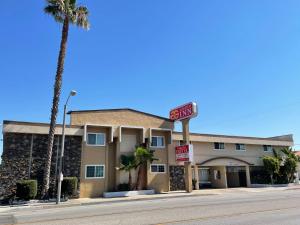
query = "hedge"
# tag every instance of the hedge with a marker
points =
(69, 186)
(123, 187)
(26, 189)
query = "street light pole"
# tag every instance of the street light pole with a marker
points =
(60, 175)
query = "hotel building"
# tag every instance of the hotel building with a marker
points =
(95, 140)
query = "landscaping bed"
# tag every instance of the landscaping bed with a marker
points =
(127, 193)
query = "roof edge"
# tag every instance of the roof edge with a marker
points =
(288, 138)
(14, 122)
(119, 109)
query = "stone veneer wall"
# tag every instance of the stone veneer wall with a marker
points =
(177, 182)
(16, 157)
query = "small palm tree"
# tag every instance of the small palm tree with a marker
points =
(128, 163)
(65, 12)
(143, 156)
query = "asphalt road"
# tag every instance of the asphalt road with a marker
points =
(231, 208)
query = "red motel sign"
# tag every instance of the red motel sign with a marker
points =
(184, 153)
(185, 111)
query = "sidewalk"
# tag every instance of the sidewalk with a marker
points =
(167, 195)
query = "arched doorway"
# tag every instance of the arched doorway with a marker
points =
(224, 172)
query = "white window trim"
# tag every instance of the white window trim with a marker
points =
(158, 147)
(240, 150)
(92, 178)
(220, 149)
(154, 164)
(87, 139)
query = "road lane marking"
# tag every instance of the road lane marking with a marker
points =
(224, 216)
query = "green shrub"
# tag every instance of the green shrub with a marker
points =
(123, 187)
(69, 186)
(259, 175)
(26, 189)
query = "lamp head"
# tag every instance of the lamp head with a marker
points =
(73, 93)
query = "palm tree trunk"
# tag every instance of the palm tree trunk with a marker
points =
(130, 180)
(141, 178)
(272, 181)
(55, 104)
(138, 178)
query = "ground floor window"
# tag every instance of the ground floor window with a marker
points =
(158, 168)
(94, 171)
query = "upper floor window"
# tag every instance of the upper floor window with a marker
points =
(219, 146)
(240, 147)
(267, 148)
(158, 141)
(158, 168)
(96, 139)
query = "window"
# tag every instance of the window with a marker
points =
(267, 148)
(158, 141)
(158, 168)
(240, 147)
(96, 139)
(94, 171)
(219, 146)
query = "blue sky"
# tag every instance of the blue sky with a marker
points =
(239, 60)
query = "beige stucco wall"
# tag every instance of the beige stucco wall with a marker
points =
(120, 118)
(204, 151)
(279, 141)
(40, 129)
(94, 155)
(218, 183)
(159, 181)
(130, 139)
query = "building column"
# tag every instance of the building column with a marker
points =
(225, 177)
(248, 176)
(188, 177)
(196, 176)
(118, 154)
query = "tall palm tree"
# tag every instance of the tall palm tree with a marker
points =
(65, 12)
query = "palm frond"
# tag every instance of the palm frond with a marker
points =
(276, 154)
(61, 9)
(55, 8)
(53, 11)
(60, 4)
(82, 14)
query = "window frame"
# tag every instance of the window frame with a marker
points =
(87, 139)
(220, 149)
(164, 141)
(158, 164)
(95, 165)
(266, 147)
(240, 150)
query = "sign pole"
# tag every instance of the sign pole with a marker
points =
(187, 165)
(184, 152)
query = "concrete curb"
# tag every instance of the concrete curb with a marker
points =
(7, 209)
(125, 199)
